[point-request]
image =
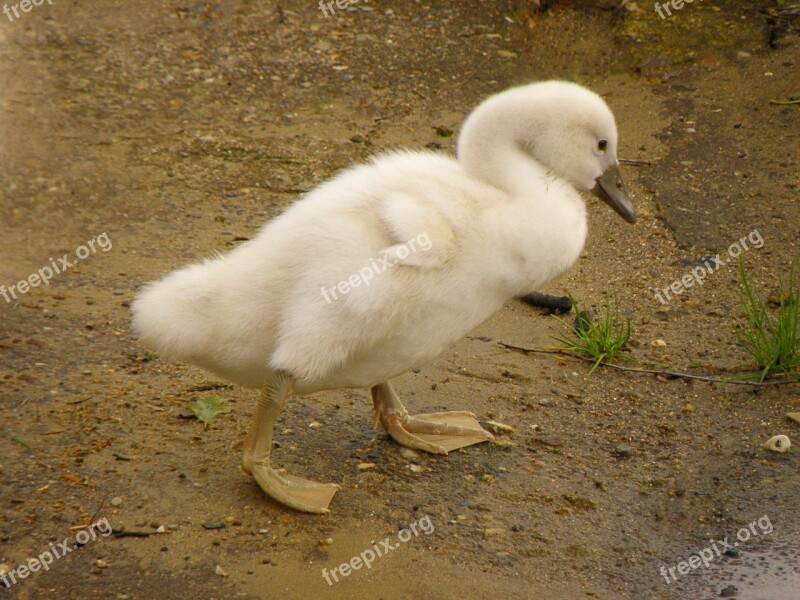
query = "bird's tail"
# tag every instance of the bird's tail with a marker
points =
(173, 316)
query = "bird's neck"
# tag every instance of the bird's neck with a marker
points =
(498, 161)
(541, 233)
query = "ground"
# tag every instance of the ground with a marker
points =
(178, 129)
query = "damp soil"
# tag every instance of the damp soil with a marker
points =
(178, 129)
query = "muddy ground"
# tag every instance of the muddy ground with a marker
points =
(177, 129)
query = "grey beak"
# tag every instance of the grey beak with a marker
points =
(611, 189)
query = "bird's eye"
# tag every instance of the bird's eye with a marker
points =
(601, 145)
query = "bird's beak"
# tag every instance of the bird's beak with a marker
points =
(611, 189)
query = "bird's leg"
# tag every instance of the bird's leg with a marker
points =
(294, 492)
(437, 433)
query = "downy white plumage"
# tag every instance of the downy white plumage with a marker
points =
(500, 221)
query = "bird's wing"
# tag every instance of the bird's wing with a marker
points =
(422, 234)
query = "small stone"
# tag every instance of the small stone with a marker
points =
(366, 466)
(729, 592)
(623, 450)
(659, 343)
(793, 416)
(545, 402)
(553, 441)
(778, 443)
(503, 443)
(490, 479)
(493, 532)
(315, 424)
(101, 564)
(161, 529)
(220, 571)
(408, 452)
(498, 427)
(231, 521)
(416, 469)
(5, 568)
(116, 501)
(469, 478)
(326, 542)
(516, 528)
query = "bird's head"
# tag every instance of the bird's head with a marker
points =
(565, 128)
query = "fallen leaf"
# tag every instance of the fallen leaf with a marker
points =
(210, 408)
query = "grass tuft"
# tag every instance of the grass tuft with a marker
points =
(601, 341)
(771, 340)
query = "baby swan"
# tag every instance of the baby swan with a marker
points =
(384, 266)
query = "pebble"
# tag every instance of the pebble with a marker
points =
(315, 424)
(503, 443)
(416, 469)
(161, 529)
(794, 416)
(778, 443)
(220, 571)
(729, 591)
(659, 343)
(101, 564)
(366, 466)
(408, 452)
(498, 427)
(116, 501)
(553, 441)
(493, 532)
(623, 450)
(545, 402)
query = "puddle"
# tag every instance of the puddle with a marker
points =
(769, 573)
